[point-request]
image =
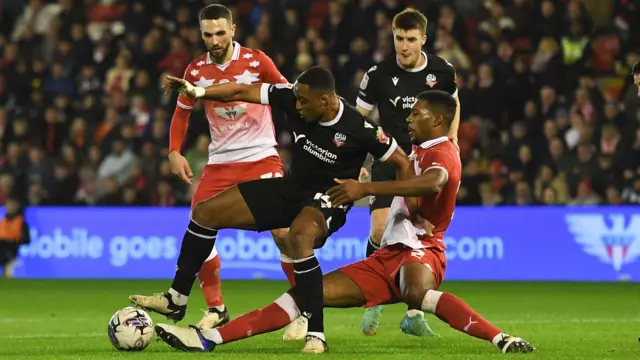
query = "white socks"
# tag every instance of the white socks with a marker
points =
(178, 298)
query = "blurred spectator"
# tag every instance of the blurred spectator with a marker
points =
(117, 163)
(14, 232)
(585, 195)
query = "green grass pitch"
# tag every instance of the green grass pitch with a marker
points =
(67, 320)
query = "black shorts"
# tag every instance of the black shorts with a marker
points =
(276, 202)
(381, 172)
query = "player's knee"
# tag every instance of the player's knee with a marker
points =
(413, 295)
(203, 216)
(279, 236)
(299, 245)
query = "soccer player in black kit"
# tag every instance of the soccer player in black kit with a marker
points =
(392, 86)
(332, 140)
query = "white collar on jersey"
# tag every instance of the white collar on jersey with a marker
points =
(429, 143)
(234, 56)
(335, 119)
(422, 67)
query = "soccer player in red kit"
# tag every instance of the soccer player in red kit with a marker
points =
(242, 148)
(410, 265)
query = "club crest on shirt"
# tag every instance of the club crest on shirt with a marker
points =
(339, 139)
(431, 80)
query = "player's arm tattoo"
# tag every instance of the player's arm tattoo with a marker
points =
(228, 92)
(430, 183)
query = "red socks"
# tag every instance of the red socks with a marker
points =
(209, 276)
(287, 266)
(459, 315)
(273, 317)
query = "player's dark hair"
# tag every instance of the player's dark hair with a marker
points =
(318, 78)
(440, 103)
(635, 70)
(215, 11)
(409, 19)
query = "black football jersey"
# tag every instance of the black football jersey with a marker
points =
(394, 89)
(328, 150)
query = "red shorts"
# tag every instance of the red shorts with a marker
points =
(377, 275)
(218, 177)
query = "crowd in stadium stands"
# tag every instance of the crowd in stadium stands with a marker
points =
(550, 114)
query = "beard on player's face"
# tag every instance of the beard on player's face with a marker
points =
(219, 51)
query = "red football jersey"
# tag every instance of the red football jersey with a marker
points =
(240, 132)
(438, 210)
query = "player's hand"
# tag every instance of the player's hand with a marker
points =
(364, 175)
(347, 191)
(420, 222)
(182, 86)
(180, 167)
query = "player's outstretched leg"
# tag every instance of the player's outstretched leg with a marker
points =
(417, 285)
(338, 291)
(226, 210)
(371, 319)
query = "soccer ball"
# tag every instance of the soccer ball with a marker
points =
(130, 329)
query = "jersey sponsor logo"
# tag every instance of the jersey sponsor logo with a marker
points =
(339, 139)
(284, 86)
(417, 254)
(616, 244)
(315, 150)
(431, 80)
(231, 113)
(297, 137)
(395, 80)
(364, 82)
(382, 137)
(403, 102)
